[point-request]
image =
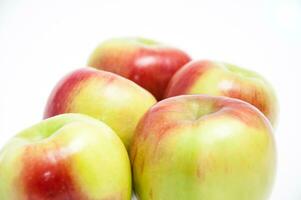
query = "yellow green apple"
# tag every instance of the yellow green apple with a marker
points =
(203, 147)
(118, 102)
(222, 79)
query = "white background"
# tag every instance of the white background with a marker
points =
(40, 41)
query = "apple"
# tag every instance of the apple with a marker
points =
(148, 63)
(67, 157)
(203, 147)
(222, 79)
(118, 102)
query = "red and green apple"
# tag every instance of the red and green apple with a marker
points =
(67, 157)
(203, 147)
(118, 102)
(148, 63)
(222, 79)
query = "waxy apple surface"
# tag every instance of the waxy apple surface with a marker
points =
(222, 79)
(119, 102)
(67, 157)
(201, 147)
(148, 63)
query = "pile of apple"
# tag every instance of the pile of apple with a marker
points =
(145, 117)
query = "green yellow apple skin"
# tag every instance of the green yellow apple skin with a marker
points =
(222, 79)
(148, 63)
(119, 102)
(67, 157)
(194, 147)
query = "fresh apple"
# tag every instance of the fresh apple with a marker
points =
(67, 157)
(146, 62)
(119, 102)
(222, 79)
(203, 147)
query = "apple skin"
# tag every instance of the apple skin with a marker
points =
(119, 102)
(70, 156)
(203, 147)
(148, 63)
(222, 79)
